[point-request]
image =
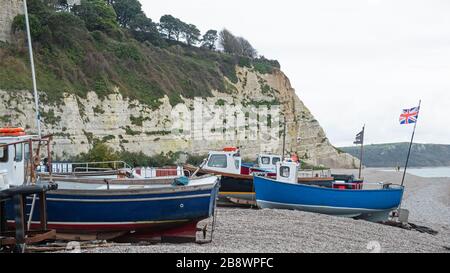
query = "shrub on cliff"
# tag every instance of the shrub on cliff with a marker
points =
(36, 27)
(100, 152)
(86, 50)
(97, 15)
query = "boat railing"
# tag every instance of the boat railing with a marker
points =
(314, 173)
(150, 172)
(80, 167)
(377, 185)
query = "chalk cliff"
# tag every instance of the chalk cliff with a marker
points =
(144, 96)
(127, 124)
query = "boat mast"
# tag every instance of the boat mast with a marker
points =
(33, 73)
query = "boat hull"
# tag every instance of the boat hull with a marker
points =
(139, 213)
(373, 205)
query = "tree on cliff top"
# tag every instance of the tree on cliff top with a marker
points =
(97, 15)
(209, 39)
(236, 45)
(171, 27)
(192, 34)
(127, 11)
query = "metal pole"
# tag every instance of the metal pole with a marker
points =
(284, 139)
(362, 149)
(33, 73)
(410, 146)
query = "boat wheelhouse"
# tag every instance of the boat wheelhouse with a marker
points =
(17, 184)
(268, 161)
(236, 187)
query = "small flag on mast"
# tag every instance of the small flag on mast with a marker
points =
(359, 138)
(409, 116)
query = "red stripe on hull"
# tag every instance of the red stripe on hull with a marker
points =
(170, 231)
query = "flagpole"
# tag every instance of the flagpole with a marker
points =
(361, 154)
(33, 73)
(284, 138)
(410, 145)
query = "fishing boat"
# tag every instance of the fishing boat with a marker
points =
(236, 184)
(110, 206)
(236, 188)
(284, 192)
(90, 209)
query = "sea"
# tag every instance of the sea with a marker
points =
(429, 171)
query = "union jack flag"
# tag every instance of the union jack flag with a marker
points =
(409, 115)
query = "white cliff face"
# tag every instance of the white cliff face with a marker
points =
(126, 124)
(8, 10)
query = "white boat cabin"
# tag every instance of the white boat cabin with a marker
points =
(287, 171)
(12, 161)
(268, 161)
(226, 161)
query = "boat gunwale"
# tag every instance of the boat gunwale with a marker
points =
(167, 189)
(398, 187)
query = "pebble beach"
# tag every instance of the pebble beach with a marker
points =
(259, 231)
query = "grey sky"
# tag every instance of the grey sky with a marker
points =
(351, 61)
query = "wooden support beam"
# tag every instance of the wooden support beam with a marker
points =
(43, 210)
(20, 221)
(2, 217)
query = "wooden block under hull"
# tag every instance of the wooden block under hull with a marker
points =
(176, 233)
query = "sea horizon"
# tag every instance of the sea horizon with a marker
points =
(429, 172)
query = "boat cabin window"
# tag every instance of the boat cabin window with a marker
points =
(284, 171)
(275, 160)
(237, 163)
(3, 154)
(19, 152)
(26, 151)
(217, 161)
(265, 160)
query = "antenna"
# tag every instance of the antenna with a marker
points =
(33, 73)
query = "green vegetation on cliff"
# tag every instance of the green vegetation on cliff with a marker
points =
(100, 45)
(394, 154)
(100, 152)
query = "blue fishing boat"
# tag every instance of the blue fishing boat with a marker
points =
(106, 204)
(285, 192)
(236, 184)
(152, 209)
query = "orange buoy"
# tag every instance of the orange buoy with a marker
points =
(230, 149)
(12, 131)
(7, 130)
(13, 134)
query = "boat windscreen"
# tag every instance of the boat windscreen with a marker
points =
(3, 153)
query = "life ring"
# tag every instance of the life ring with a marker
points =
(8, 130)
